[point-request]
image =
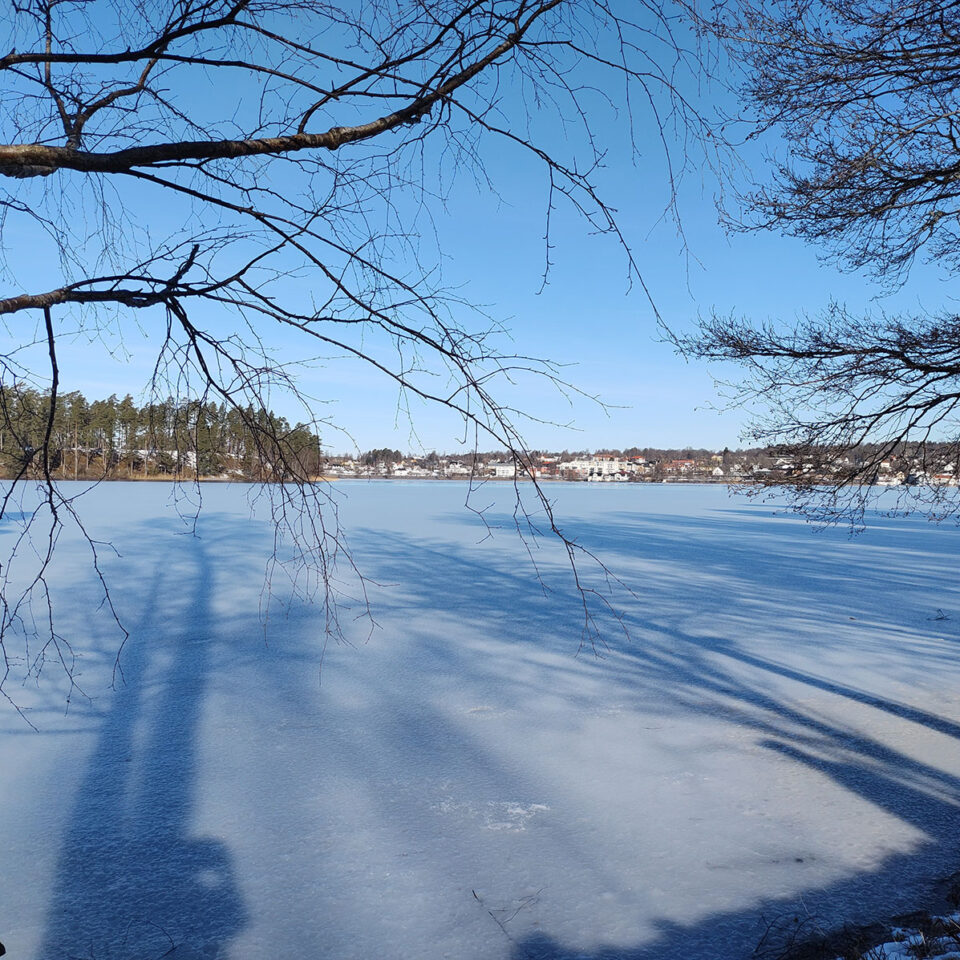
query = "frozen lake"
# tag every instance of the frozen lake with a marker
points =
(777, 739)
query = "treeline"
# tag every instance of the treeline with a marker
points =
(116, 439)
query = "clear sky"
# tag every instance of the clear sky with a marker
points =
(592, 319)
(587, 317)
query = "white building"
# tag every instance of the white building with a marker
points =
(501, 470)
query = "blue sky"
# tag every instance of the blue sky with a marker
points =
(592, 319)
(588, 317)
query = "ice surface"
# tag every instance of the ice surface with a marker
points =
(775, 742)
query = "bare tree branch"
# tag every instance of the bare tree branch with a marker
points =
(227, 175)
(863, 96)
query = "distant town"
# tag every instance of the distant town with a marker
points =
(642, 465)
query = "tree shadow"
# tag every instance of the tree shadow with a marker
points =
(853, 736)
(132, 879)
(411, 780)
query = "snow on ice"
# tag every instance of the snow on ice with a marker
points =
(775, 741)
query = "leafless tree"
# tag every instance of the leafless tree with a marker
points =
(864, 95)
(229, 174)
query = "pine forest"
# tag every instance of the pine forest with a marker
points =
(117, 439)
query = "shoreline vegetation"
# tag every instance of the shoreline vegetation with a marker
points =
(199, 440)
(924, 933)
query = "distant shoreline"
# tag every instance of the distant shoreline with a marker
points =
(673, 481)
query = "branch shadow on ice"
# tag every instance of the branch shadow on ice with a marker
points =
(921, 795)
(692, 654)
(396, 775)
(132, 881)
